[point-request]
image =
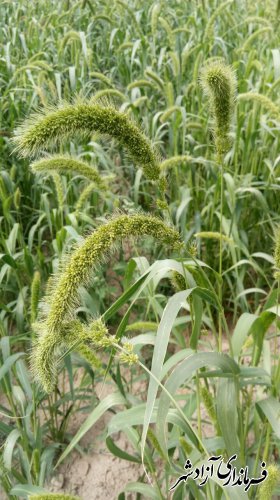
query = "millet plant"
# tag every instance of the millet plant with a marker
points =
(198, 329)
(59, 332)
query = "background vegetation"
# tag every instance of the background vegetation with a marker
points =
(146, 58)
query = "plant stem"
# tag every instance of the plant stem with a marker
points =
(198, 407)
(220, 285)
(258, 451)
(267, 443)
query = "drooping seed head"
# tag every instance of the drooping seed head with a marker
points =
(219, 84)
(262, 100)
(54, 126)
(85, 194)
(162, 204)
(66, 164)
(93, 251)
(57, 328)
(163, 184)
(50, 345)
(174, 161)
(17, 197)
(213, 235)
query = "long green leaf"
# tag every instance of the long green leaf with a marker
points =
(9, 363)
(25, 490)
(9, 446)
(241, 331)
(144, 489)
(270, 407)
(182, 374)
(169, 314)
(227, 414)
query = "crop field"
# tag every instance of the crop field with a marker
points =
(139, 249)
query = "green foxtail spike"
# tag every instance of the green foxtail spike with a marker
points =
(63, 291)
(53, 126)
(219, 84)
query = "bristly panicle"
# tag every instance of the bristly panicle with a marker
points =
(57, 329)
(35, 293)
(92, 252)
(178, 281)
(128, 356)
(268, 486)
(66, 164)
(209, 404)
(53, 126)
(263, 101)
(72, 335)
(219, 84)
(43, 355)
(174, 161)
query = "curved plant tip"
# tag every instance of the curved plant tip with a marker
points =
(49, 347)
(95, 248)
(219, 84)
(214, 236)
(174, 161)
(85, 194)
(63, 164)
(262, 100)
(63, 293)
(208, 34)
(53, 126)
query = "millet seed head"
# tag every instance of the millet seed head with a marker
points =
(219, 84)
(55, 125)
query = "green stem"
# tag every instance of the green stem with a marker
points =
(247, 417)
(258, 451)
(211, 287)
(220, 285)
(267, 443)
(198, 407)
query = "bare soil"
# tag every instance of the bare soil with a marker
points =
(98, 474)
